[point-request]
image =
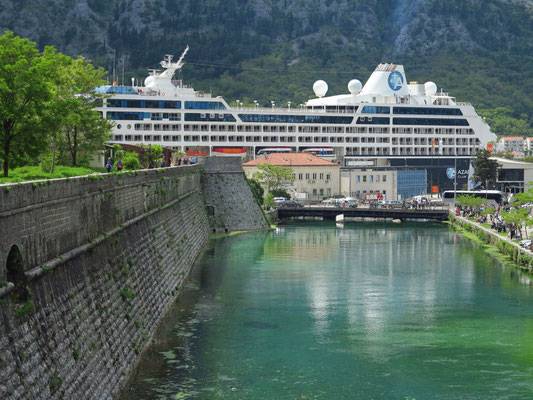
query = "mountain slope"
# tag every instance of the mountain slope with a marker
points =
(479, 50)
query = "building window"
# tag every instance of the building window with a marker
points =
(315, 192)
(314, 176)
(321, 192)
(321, 176)
(364, 178)
(307, 176)
(328, 177)
(371, 178)
(384, 178)
(377, 178)
(300, 176)
(358, 178)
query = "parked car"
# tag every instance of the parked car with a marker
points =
(289, 203)
(395, 204)
(331, 203)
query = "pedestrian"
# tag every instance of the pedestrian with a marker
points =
(109, 165)
(119, 165)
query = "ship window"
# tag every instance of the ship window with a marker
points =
(209, 117)
(132, 116)
(430, 121)
(114, 103)
(172, 104)
(133, 104)
(151, 104)
(375, 110)
(204, 105)
(427, 111)
(373, 120)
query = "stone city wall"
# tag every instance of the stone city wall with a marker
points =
(87, 268)
(229, 200)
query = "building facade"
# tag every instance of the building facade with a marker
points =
(314, 178)
(358, 182)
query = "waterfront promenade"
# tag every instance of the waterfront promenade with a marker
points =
(495, 237)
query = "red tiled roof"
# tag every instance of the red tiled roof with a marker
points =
(512, 138)
(290, 160)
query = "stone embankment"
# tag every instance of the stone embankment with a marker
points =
(521, 256)
(88, 267)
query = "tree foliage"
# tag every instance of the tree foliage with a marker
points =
(257, 191)
(23, 99)
(273, 176)
(47, 105)
(503, 123)
(470, 201)
(151, 155)
(485, 169)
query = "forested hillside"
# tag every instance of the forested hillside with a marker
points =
(478, 50)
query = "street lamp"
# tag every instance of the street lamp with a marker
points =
(289, 104)
(273, 104)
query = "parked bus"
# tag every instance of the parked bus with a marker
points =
(493, 197)
(271, 150)
(320, 151)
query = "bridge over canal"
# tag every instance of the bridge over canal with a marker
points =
(329, 213)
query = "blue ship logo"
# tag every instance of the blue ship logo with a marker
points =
(395, 80)
(450, 173)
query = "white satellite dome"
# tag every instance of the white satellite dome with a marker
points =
(355, 86)
(320, 88)
(431, 88)
(149, 81)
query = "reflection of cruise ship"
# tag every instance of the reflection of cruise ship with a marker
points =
(386, 122)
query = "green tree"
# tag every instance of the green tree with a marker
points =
(485, 169)
(281, 193)
(83, 130)
(24, 96)
(504, 124)
(151, 155)
(273, 176)
(257, 191)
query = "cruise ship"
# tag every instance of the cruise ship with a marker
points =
(385, 123)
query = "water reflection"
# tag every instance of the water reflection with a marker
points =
(367, 311)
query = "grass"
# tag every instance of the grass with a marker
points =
(24, 174)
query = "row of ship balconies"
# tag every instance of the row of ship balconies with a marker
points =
(434, 142)
(294, 129)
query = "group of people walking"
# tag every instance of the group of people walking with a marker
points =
(109, 165)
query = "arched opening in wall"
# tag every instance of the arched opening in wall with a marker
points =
(15, 274)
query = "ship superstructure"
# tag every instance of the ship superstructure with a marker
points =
(386, 122)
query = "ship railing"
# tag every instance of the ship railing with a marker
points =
(463, 103)
(295, 110)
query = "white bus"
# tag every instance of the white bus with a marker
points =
(271, 150)
(320, 151)
(493, 197)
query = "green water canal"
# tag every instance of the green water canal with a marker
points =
(368, 311)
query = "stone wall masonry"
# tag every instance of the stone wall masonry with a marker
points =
(122, 245)
(228, 197)
(46, 220)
